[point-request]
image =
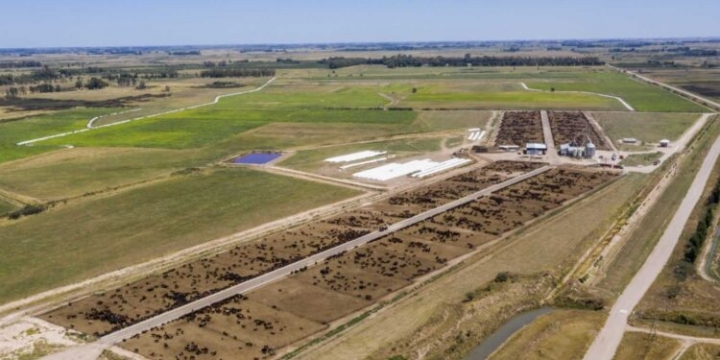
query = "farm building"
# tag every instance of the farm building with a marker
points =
(664, 143)
(587, 151)
(630, 141)
(535, 149)
(509, 148)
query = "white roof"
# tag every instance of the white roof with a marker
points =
(536, 146)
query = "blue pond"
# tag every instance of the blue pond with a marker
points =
(257, 158)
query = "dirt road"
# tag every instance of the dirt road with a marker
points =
(619, 99)
(608, 340)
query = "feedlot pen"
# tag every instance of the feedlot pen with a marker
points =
(260, 323)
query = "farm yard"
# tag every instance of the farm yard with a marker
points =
(568, 127)
(365, 274)
(519, 128)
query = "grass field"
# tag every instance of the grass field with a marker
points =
(646, 127)
(560, 335)
(642, 97)
(679, 295)
(551, 246)
(6, 206)
(641, 159)
(510, 100)
(650, 229)
(702, 352)
(72, 172)
(639, 346)
(452, 120)
(88, 238)
(39, 126)
(204, 127)
(308, 160)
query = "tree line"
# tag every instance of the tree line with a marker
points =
(19, 64)
(693, 248)
(93, 83)
(220, 73)
(467, 60)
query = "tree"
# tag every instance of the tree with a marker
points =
(414, 90)
(95, 84)
(552, 89)
(58, 88)
(79, 84)
(12, 93)
(167, 88)
(141, 86)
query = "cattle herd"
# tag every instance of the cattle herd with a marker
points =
(264, 322)
(519, 128)
(568, 126)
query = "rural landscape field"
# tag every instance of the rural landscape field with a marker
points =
(509, 199)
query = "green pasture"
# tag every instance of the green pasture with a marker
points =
(17, 131)
(641, 96)
(646, 127)
(88, 238)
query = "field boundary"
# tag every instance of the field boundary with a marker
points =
(89, 125)
(623, 102)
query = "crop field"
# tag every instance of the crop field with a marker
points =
(704, 82)
(88, 238)
(519, 128)
(365, 274)
(646, 127)
(642, 97)
(567, 126)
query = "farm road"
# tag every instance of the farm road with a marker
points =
(608, 340)
(621, 100)
(111, 339)
(91, 127)
(552, 153)
(701, 99)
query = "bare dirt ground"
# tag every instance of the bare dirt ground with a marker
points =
(519, 128)
(568, 126)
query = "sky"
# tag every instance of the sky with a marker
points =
(68, 23)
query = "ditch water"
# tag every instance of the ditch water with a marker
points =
(257, 158)
(494, 341)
